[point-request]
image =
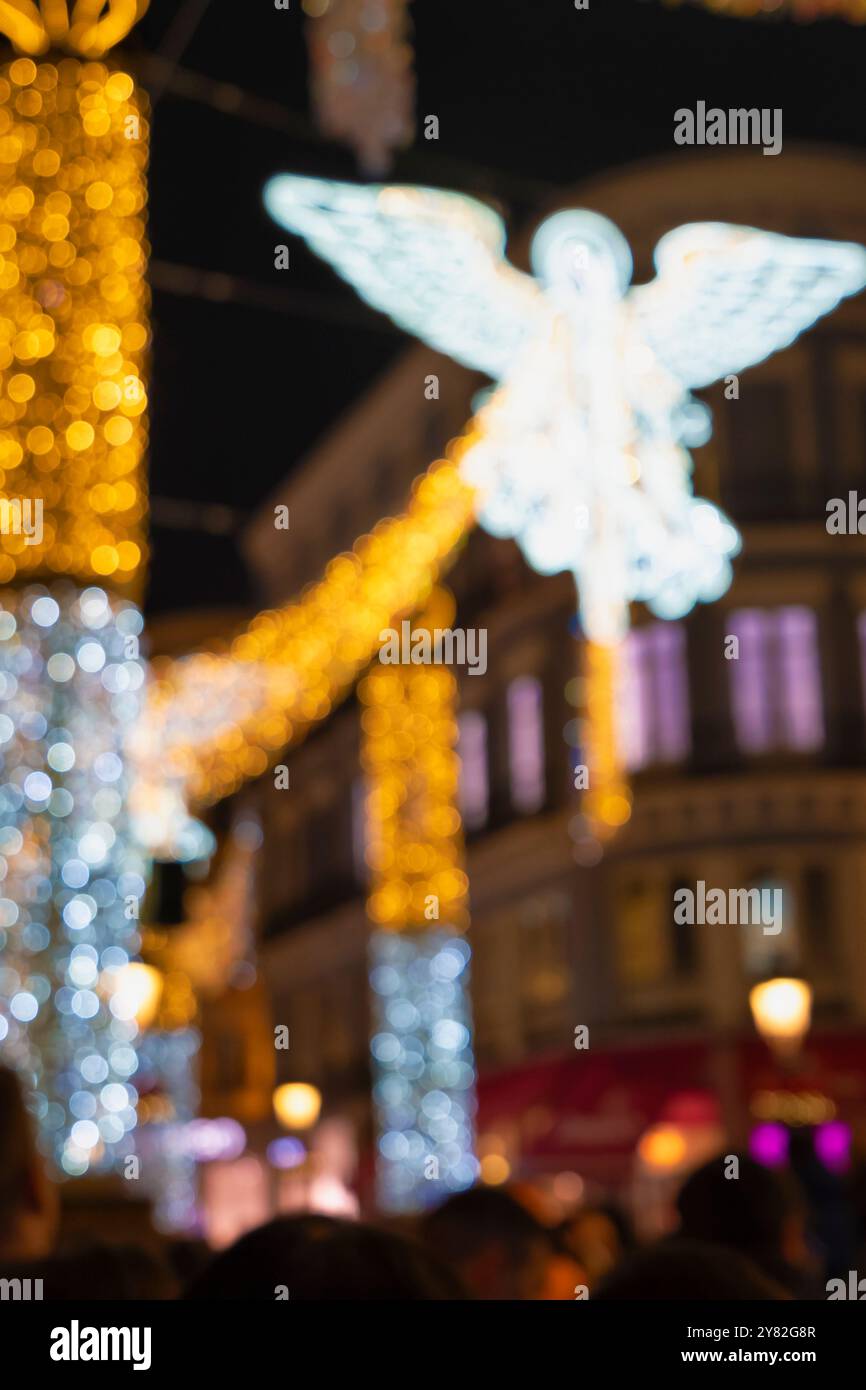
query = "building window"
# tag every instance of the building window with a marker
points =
(757, 470)
(653, 699)
(776, 679)
(771, 938)
(544, 967)
(642, 938)
(473, 790)
(525, 701)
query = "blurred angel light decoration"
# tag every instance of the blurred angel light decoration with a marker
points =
(362, 82)
(582, 454)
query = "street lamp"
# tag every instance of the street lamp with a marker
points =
(297, 1105)
(782, 1010)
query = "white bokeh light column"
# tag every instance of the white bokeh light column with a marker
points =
(72, 878)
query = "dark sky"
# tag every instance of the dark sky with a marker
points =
(530, 96)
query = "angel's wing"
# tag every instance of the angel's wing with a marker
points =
(726, 297)
(433, 261)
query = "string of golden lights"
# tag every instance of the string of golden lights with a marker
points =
(73, 326)
(215, 719)
(413, 826)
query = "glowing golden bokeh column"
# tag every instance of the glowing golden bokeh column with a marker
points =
(424, 1074)
(73, 341)
(73, 319)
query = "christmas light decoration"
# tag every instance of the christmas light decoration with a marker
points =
(582, 451)
(73, 334)
(72, 878)
(805, 11)
(424, 1073)
(215, 719)
(73, 320)
(414, 835)
(419, 961)
(362, 82)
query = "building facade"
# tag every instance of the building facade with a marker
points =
(614, 1043)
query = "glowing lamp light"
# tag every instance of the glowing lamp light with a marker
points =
(833, 1146)
(494, 1170)
(297, 1105)
(663, 1147)
(782, 1011)
(769, 1144)
(136, 991)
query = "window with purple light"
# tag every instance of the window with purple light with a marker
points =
(473, 792)
(525, 700)
(861, 638)
(776, 679)
(652, 701)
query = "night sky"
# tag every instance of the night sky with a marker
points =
(249, 372)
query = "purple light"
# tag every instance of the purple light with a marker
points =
(472, 752)
(768, 1144)
(833, 1146)
(286, 1153)
(526, 743)
(208, 1141)
(776, 679)
(653, 697)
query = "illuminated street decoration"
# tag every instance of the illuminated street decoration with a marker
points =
(362, 83)
(73, 326)
(424, 1087)
(424, 1082)
(582, 451)
(215, 719)
(414, 832)
(72, 878)
(73, 335)
(806, 11)
(82, 28)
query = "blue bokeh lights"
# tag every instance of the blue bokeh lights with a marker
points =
(424, 1088)
(71, 878)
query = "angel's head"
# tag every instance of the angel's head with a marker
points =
(580, 252)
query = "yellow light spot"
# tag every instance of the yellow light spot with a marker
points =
(96, 122)
(104, 340)
(104, 559)
(118, 430)
(40, 439)
(119, 86)
(22, 72)
(11, 453)
(128, 557)
(46, 163)
(663, 1146)
(495, 1169)
(79, 436)
(19, 201)
(99, 195)
(21, 387)
(106, 396)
